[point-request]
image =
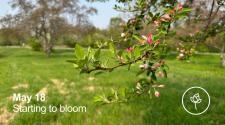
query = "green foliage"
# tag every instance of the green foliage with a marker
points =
(148, 50)
(69, 41)
(34, 44)
(6, 42)
(9, 41)
(92, 39)
(79, 52)
(200, 38)
(11, 36)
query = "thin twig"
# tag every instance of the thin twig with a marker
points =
(120, 65)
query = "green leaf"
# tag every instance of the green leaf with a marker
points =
(137, 52)
(140, 72)
(183, 13)
(186, 10)
(112, 48)
(97, 54)
(150, 14)
(123, 92)
(120, 53)
(127, 57)
(99, 98)
(136, 37)
(75, 65)
(129, 66)
(165, 73)
(79, 52)
(155, 37)
(153, 76)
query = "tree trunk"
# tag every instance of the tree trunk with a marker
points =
(48, 49)
(222, 55)
(47, 46)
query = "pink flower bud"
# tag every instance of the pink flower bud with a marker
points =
(157, 42)
(157, 64)
(171, 12)
(165, 18)
(156, 23)
(149, 39)
(144, 66)
(146, 17)
(179, 7)
(130, 49)
(157, 94)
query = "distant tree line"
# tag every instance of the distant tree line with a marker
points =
(45, 23)
(45, 20)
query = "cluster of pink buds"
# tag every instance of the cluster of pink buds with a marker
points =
(158, 64)
(149, 40)
(167, 17)
(156, 23)
(184, 54)
(164, 18)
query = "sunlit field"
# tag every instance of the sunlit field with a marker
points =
(28, 72)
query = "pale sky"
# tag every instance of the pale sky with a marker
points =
(101, 20)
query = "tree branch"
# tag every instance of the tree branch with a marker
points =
(120, 65)
(210, 15)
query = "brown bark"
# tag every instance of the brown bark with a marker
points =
(210, 15)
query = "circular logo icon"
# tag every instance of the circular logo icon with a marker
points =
(196, 100)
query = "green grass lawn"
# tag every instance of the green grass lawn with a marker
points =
(20, 66)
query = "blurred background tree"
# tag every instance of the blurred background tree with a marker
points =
(47, 20)
(66, 23)
(205, 25)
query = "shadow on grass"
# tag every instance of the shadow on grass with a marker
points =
(59, 53)
(5, 53)
(44, 57)
(2, 56)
